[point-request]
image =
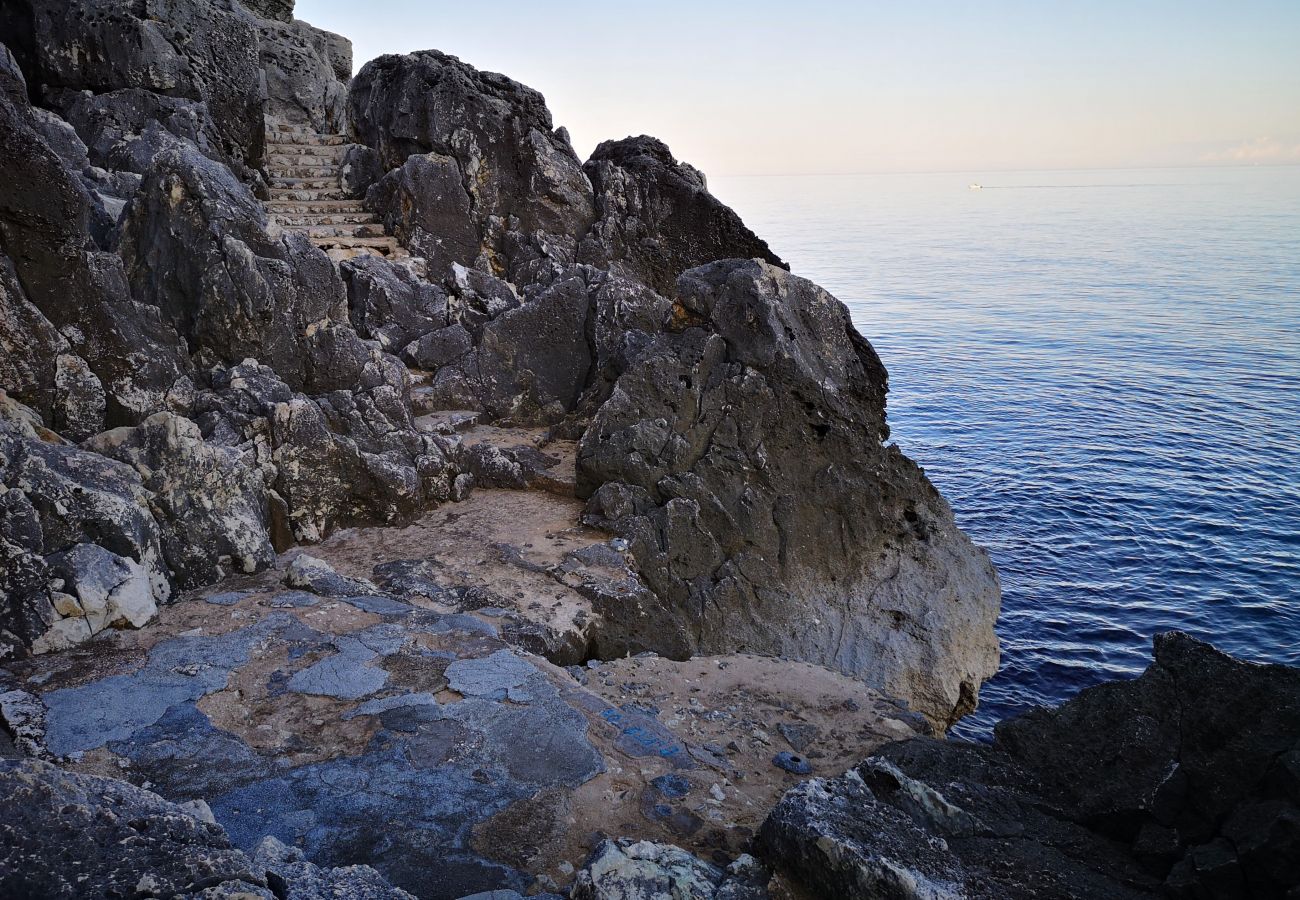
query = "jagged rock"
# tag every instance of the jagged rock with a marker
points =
(345, 458)
(361, 169)
(319, 577)
(656, 217)
(743, 458)
(504, 184)
(45, 216)
(439, 348)
(66, 835)
(1181, 783)
(199, 50)
(306, 70)
(79, 400)
(643, 870)
(196, 247)
(210, 505)
(22, 719)
(423, 202)
(279, 10)
(29, 345)
(126, 128)
(60, 499)
(390, 304)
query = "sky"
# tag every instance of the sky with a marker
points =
(819, 87)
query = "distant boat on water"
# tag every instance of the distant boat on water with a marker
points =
(976, 187)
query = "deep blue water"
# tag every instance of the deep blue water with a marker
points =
(1101, 372)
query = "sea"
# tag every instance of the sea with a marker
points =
(1100, 370)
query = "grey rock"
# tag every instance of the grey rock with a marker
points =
(126, 128)
(31, 343)
(742, 437)
(73, 836)
(1176, 784)
(439, 348)
(198, 50)
(279, 10)
(211, 506)
(79, 399)
(643, 870)
(361, 170)
(656, 217)
(505, 185)
(792, 763)
(387, 303)
(302, 66)
(423, 202)
(319, 577)
(22, 719)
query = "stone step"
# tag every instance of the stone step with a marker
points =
(342, 254)
(308, 195)
(314, 207)
(297, 220)
(293, 154)
(287, 174)
(304, 182)
(365, 230)
(284, 139)
(344, 243)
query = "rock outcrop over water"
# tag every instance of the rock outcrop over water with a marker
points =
(1183, 783)
(530, 413)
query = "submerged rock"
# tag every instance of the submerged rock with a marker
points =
(1180, 783)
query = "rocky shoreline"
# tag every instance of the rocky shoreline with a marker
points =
(393, 504)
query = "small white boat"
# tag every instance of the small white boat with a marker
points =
(976, 187)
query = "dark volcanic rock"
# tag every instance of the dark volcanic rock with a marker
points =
(503, 184)
(424, 203)
(1181, 783)
(306, 74)
(657, 218)
(196, 247)
(389, 304)
(210, 504)
(69, 836)
(279, 10)
(743, 457)
(199, 50)
(45, 232)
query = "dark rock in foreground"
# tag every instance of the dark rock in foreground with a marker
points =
(1183, 783)
(69, 835)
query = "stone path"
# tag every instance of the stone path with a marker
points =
(307, 194)
(412, 710)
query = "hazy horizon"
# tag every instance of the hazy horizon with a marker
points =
(1011, 86)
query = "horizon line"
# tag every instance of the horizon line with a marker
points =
(1289, 165)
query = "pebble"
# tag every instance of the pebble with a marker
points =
(796, 765)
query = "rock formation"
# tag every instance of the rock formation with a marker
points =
(532, 414)
(1182, 783)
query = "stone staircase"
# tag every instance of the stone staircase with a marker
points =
(305, 171)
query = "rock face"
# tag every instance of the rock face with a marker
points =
(501, 182)
(743, 458)
(1181, 783)
(71, 835)
(307, 71)
(642, 869)
(657, 218)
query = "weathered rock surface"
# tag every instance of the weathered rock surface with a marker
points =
(631, 870)
(67, 836)
(205, 51)
(496, 183)
(1181, 783)
(743, 458)
(657, 218)
(307, 71)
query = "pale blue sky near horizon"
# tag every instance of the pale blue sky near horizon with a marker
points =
(755, 88)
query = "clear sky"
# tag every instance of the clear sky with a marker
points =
(762, 87)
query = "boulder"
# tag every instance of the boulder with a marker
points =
(199, 50)
(29, 345)
(390, 304)
(643, 870)
(196, 247)
(504, 185)
(306, 74)
(66, 835)
(1178, 784)
(279, 10)
(79, 399)
(45, 233)
(424, 203)
(81, 550)
(656, 217)
(210, 504)
(743, 457)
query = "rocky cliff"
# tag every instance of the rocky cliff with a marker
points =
(525, 405)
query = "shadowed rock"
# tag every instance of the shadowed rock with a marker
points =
(1181, 783)
(656, 217)
(743, 458)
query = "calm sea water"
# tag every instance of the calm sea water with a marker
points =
(1101, 372)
